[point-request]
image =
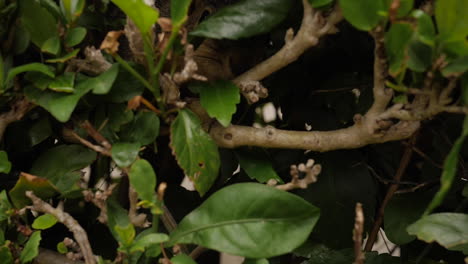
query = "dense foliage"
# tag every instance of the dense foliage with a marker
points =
(357, 107)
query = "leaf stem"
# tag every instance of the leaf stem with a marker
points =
(133, 72)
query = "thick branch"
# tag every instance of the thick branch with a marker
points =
(312, 28)
(356, 136)
(78, 232)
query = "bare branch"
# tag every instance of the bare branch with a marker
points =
(312, 28)
(99, 200)
(78, 232)
(90, 145)
(18, 109)
(311, 171)
(357, 235)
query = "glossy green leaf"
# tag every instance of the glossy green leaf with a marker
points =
(456, 48)
(44, 221)
(41, 187)
(63, 83)
(51, 45)
(257, 165)
(38, 79)
(143, 179)
(360, 17)
(60, 105)
(319, 3)
(116, 216)
(65, 57)
(31, 249)
(5, 164)
(457, 66)
(57, 163)
(142, 15)
(451, 19)
(182, 259)
(401, 211)
(141, 243)
(72, 9)
(35, 67)
(256, 261)
(448, 229)
(124, 154)
(397, 40)
(5, 255)
(40, 24)
(143, 129)
(244, 19)
(426, 31)
(249, 219)
(195, 151)
(103, 83)
(52, 7)
(219, 99)
(74, 36)
(450, 170)
(179, 11)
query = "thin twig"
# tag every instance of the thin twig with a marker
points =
(18, 109)
(78, 232)
(357, 235)
(197, 252)
(405, 159)
(90, 145)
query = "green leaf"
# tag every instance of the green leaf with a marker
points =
(401, 211)
(320, 254)
(5, 255)
(44, 221)
(51, 45)
(182, 259)
(124, 154)
(143, 179)
(457, 66)
(257, 165)
(126, 234)
(5, 207)
(143, 129)
(405, 8)
(219, 99)
(451, 19)
(63, 83)
(426, 31)
(450, 169)
(195, 151)
(244, 19)
(57, 163)
(448, 229)
(40, 24)
(141, 243)
(256, 261)
(419, 56)
(117, 216)
(179, 10)
(31, 249)
(60, 105)
(35, 66)
(72, 9)
(142, 15)
(64, 58)
(362, 18)
(319, 3)
(62, 248)
(249, 219)
(103, 83)
(397, 40)
(74, 36)
(40, 131)
(5, 164)
(41, 187)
